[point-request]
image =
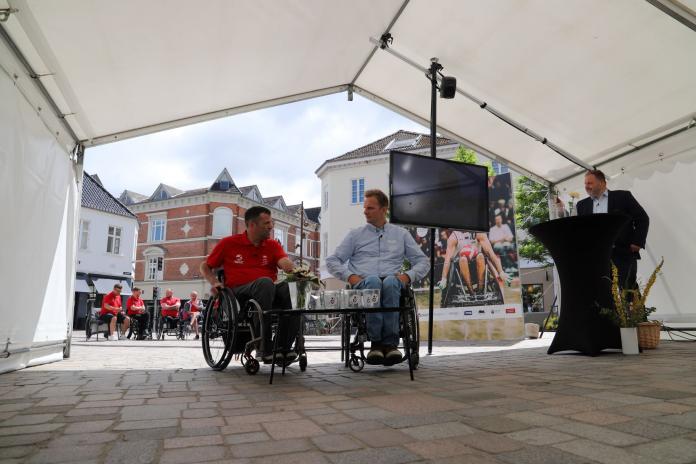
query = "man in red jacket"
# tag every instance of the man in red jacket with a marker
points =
(250, 261)
(112, 312)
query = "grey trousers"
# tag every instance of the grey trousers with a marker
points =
(271, 296)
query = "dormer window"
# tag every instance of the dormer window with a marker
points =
(224, 185)
(163, 195)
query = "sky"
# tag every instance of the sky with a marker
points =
(276, 148)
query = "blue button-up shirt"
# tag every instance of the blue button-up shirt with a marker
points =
(369, 250)
(601, 204)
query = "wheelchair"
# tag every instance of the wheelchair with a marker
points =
(457, 294)
(228, 330)
(409, 333)
(167, 325)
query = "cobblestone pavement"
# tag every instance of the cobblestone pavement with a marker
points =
(142, 402)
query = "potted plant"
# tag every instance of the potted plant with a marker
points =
(629, 309)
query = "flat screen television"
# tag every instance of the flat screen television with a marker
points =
(425, 191)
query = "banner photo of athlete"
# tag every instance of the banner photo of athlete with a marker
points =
(478, 294)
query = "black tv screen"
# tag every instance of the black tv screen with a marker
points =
(433, 192)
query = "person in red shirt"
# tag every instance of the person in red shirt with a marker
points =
(112, 312)
(192, 309)
(135, 308)
(170, 306)
(250, 261)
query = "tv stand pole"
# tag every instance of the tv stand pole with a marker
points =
(432, 76)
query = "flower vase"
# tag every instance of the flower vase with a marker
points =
(629, 340)
(301, 297)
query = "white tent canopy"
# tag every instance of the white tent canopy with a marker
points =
(595, 78)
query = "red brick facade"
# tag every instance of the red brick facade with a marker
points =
(188, 236)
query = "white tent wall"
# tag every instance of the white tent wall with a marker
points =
(39, 188)
(661, 177)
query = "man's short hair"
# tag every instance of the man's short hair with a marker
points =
(597, 173)
(382, 199)
(118, 286)
(135, 289)
(253, 213)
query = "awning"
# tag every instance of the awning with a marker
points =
(82, 286)
(104, 286)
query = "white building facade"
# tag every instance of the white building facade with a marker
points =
(106, 246)
(346, 178)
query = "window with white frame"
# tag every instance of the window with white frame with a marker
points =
(280, 234)
(84, 234)
(326, 200)
(222, 222)
(151, 257)
(113, 240)
(157, 228)
(357, 191)
(307, 247)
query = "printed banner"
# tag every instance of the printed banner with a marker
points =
(477, 293)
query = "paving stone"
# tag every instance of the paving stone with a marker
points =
(601, 452)
(249, 450)
(88, 426)
(382, 437)
(309, 457)
(672, 451)
(536, 419)
(280, 430)
(66, 454)
(258, 418)
(371, 413)
(331, 419)
(398, 422)
(183, 442)
(83, 439)
(150, 434)
(540, 436)
(434, 449)
(149, 412)
(199, 413)
(28, 419)
(199, 432)
(601, 434)
(251, 437)
(686, 420)
(541, 455)
(29, 429)
(16, 451)
(133, 452)
(442, 430)
(27, 439)
(146, 424)
(496, 424)
(650, 429)
(391, 455)
(188, 455)
(490, 442)
(334, 443)
(240, 428)
(353, 426)
(205, 422)
(599, 417)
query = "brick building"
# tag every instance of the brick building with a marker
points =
(183, 226)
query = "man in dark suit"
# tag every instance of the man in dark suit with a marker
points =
(632, 237)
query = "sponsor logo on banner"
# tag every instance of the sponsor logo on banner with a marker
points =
(510, 310)
(468, 313)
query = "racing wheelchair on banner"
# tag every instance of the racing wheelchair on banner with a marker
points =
(229, 329)
(355, 325)
(456, 293)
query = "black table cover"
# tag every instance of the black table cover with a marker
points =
(581, 247)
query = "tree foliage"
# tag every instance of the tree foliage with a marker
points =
(467, 155)
(531, 207)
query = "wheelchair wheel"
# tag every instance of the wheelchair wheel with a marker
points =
(216, 332)
(251, 366)
(88, 325)
(413, 341)
(356, 363)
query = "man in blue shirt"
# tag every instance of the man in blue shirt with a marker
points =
(371, 257)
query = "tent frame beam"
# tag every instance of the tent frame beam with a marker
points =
(137, 132)
(451, 135)
(485, 106)
(675, 11)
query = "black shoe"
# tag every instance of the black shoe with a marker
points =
(392, 356)
(196, 337)
(375, 355)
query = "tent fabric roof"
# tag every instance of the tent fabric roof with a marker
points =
(594, 78)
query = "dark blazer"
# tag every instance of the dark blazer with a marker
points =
(635, 232)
